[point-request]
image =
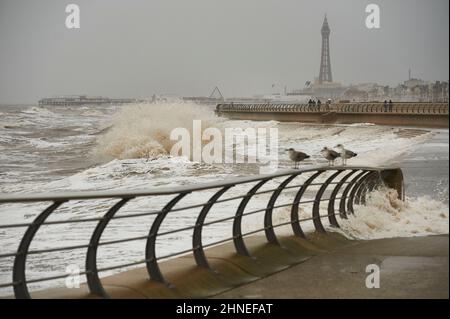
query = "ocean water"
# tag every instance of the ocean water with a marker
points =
(56, 149)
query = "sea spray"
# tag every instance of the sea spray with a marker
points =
(143, 130)
(384, 215)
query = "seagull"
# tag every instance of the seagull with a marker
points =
(330, 155)
(345, 154)
(296, 156)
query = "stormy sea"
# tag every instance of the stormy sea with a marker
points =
(85, 148)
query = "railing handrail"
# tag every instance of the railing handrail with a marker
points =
(421, 108)
(77, 195)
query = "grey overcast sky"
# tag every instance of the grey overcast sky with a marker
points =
(134, 48)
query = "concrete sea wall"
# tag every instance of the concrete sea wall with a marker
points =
(399, 114)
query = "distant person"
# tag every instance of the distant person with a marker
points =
(313, 103)
(385, 105)
(328, 104)
(319, 103)
(390, 105)
(310, 103)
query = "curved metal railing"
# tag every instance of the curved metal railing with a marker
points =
(344, 186)
(395, 108)
(269, 107)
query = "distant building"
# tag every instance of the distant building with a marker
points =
(355, 94)
(323, 86)
(325, 63)
(412, 90)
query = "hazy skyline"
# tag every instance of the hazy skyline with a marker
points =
(138, 48)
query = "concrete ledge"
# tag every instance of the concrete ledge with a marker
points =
(415, 267)
(395, 119)
(314, 268)
(229, 270)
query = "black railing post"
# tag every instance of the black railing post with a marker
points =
(93, 280)
(199, 253)
(150, 248)
(372, 184)
(331, 211)
(316, 207)
(268, 223)
(238, 241)
(358, 184)
(342, 210)
(19, 268)
(361, 191)
(294, 210)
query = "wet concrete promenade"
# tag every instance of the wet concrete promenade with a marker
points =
(409, 268)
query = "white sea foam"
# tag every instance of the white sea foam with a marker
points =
(138, 131)
(41, 111)
(384, 216)
(41, 143)
(143, 130)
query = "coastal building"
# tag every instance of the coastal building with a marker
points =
(323, 86)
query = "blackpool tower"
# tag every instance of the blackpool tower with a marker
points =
(325, 64)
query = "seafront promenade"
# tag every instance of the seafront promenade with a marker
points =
(400, 114)
(323, 266)
(251, 264)
(318, 264)
(415, 267)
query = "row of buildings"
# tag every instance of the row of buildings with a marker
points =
(411, 90)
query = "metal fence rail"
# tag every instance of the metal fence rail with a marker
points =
(396, 108)
(346, 186)
(362, 107)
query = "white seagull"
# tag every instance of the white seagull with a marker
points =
(345, 154)
(330, 155)
(297, 156)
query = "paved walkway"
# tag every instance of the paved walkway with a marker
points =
(415, 267)
(324, 266)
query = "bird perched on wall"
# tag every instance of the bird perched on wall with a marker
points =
(297, 156)
(330, 155)
(345, 154)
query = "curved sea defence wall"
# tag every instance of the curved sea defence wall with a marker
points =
(398, 114)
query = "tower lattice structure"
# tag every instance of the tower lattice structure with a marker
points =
(325, 63)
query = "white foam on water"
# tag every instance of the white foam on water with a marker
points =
(41, 143)
(385, 216)
(143, 130)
